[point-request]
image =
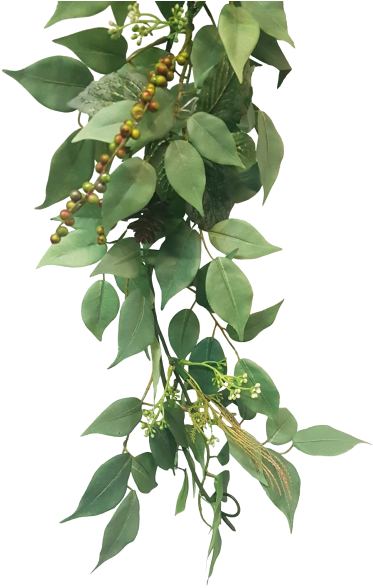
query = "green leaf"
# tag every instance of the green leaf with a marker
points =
(246, 184)
(77, 249)
(197, 444)
(186, 172)
(271, 18)
(200, 284)
(54, 81)
(155, 125)
(174, 417)
(246, 150)
(239, 33)
(268, 51)
(252, 464)
(166, 8)
(269, 399)
(270, 152)
(144, 470)
(164, 189)
(182, 498)
(183, 332)
(282, 429)
(208, 349)
(163, 447)
(178, 261)
(218, 199)
(96, 49)
(206, 53)
(131, 187)
(106, 123)
(229, 293)
(140, 282)
(257, 322)
(216, 549)
(245, 413)
(71, 165)
(109, 90)
(120, 11)
(66, 10)
(211, 137)
(106, 489)
(238, 234)
(122, 260)
(324, 440)
(136, 327)
(122, 528)
(223, 455)
(285, 492)
(100, 306)
(118, 420)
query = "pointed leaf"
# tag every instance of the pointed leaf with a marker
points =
(270, 152)
(223, 455)
(229, 293)
(66, 10)
(183, 332)
(96, 49)
(285, 492)
(250, 464)
(131, 187)
(239, 32)
(282, 429)
(122, 260)
(122, 528)
(54, 81)
(216, 549)
(271, 18)
(208, 349)
(178, 261)
(106, 123)
(211, 137)
(77, 249)
(117, 420)
(324, 440)
(163, 447)
(182, 498)
(231, 234)
(269, 51)
(257, 322)
(207, 51)
(100, 306)
(186, 172)
(136, 327)
(269, 399)
(106, 489)
(71, 165)
(120, 11)
(143, 470)
(174, 417)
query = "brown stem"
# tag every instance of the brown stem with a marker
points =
(225, 336)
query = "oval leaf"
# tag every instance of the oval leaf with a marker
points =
(211, 137)
(118, 420)
(206, 52)
(143, 470)
(122, 260)
(105, 124)
(96, 49)
(270, 152)
(186, 172)
(271, 18)
(136, 327)
(282, 429)
(182, 498)
(229, 293)
(208, 349)
(106, 489)
(77, 249)
(122, 528)
(324, 440)
(100, 306)
(183, 332)
(232, 234)
(66, 10)
(223, 455)
(269, 399)
(163, 447)
(239, 32)
(258, 321)
(54, 81)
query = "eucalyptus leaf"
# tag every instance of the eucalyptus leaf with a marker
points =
(208, 349)
(258, 321)
(163, 447)
(174, 417)
(324, 440)
(143, 472)
(100, 306)
(122, 260)
(183, 332)
(270, 152)
(269, 399)
(118, 420)
(271, 18)
(231, 234)
(66, 10)
(106, 123)
(182, 498)
(77, 249)
(282, 429)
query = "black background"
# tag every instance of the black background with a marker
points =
(312, 352)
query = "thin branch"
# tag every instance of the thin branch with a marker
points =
(147, 389)
(210, 15)
(204, 244)
(225, 336)
(287, 451)
(79, 120)
(139, 51)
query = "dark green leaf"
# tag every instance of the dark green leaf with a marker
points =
(268, 51)
(166, 8)
(164, 189)
(246, 184)
(106, 123)
(270, 152)
(77, 249)
(122, 260)
(122, 528)
(211, 137)
(197, 444)
(100, 306)
(245, 412)
(233, 234)
(246, 150)
(216, 549)
(183, 332)
(106, 489)
(208, 349)
(163, 447)
(324, 440)
(66, 10)
(269, 399)
(143, 470)
(207, 51)
(223, 455)
(141, 282)
(257, 322)
(120, 11)
(282, 429)
(118, 420)
(250, 463)
(178, 261)
(200, 284)
(182, 498)
(136, 327)
(155, 125)
(174, 417)
(186, 172)
(54, 81)
(271, 18)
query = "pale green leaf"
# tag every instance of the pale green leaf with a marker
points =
(232, 234)
(100, 306)
(324, 440)
(281, 430)
(251, 463)
(66, 10)
(271, 18)
(269, 399)
(209, 349)
(269, 51)
(122, 260)
(118, 420)
(258, 321)
(183, 332)
(77, 249)
(206, 52)
(270, 152)
(107, 122)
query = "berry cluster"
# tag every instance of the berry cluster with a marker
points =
(164, 72)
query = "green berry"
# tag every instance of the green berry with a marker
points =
(105, 158)
(55, 239)
(62, 231)
(92, 198)
(137, 111)
(185, 54)
(151, 89)
(70, 205)
(181, 60)
(100, 230)
(112, 147)
(170, 76)
(146, 96)
(87, 187)
(105, 178)
(160, 81)
(135, 134)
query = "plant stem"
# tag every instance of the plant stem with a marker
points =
(287, 451)
(210, 15)
(204, 244)
(139, 51)
(225, 336)
(147, 389)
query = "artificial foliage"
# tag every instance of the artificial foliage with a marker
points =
(173, 142)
